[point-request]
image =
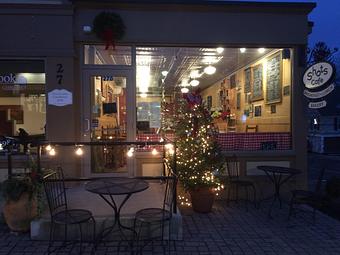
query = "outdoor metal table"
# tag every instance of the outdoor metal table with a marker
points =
(108, 188)
(278, 176)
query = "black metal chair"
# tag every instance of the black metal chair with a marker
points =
(315, 199)
(60, 214)
(155, 219)
(235, 181)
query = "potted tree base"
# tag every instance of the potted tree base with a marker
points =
(202, 199)
(19, 213)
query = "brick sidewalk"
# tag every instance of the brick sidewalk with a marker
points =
(227, 230)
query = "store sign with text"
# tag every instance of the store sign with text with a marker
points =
(60, 97)
(315, 78)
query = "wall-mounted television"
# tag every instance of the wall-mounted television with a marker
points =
(109, 108)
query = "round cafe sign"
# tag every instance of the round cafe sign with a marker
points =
(318, 74)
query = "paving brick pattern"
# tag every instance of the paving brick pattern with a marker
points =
(227, 230)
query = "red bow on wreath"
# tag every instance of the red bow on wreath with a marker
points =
(109, 27)
(108, 37)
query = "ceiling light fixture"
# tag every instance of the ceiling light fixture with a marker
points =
(219, 50)
(243, 50)
(261, 50)
(195, 74)
(165, 73)
(184, 90)
(210, 70)
(194, 83)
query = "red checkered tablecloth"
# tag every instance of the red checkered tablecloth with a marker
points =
(235, 141)
(254, 141)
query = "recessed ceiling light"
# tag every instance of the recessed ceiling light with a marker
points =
(243, 50)
(219, 50)
(165, 73)
(184, 90)
(210, 70)
(261, 50)
(194, 83)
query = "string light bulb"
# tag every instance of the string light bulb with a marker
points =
(52, 152)
(79, 151)
(154, 151)
(130, 152)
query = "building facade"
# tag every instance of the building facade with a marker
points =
(58, 79)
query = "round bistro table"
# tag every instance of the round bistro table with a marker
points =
(107, 188)
(278, 175)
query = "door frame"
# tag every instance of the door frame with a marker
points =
(118, 71)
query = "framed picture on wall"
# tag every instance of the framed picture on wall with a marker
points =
(273, 108)
(233, 81)
(247, 81)
(257, 84)
(209, 102)
(286, 90)
(257, 110)
(238, 101)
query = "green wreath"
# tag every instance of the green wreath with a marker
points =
(109, 26)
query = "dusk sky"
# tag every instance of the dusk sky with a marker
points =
(326, 18)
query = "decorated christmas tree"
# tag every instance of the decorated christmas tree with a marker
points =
(198, 154)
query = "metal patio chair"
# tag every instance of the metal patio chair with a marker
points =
(155, 219)
(235, 181)
(60, 214)
(315, 199)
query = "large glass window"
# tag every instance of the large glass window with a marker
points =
(98, 55)
(22, 98)
(248, 92)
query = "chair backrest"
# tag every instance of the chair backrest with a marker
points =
(170, 189)
(55, 191)
(251, 128)
(233, 166)
(319, 180)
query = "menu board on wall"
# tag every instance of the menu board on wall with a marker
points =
(257, 88)
(273, 88)
(247, 80)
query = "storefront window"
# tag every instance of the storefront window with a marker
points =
(22, 97)
(248, 92)
(98, 55)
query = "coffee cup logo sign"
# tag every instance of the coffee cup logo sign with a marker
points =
(316, 76)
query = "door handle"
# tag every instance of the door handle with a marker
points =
(88, 125)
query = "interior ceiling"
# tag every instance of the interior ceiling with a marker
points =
(180, 62)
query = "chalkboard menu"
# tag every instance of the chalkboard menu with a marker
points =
(233, 81)
(273, 90)
(257, 88)
(247, 82)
